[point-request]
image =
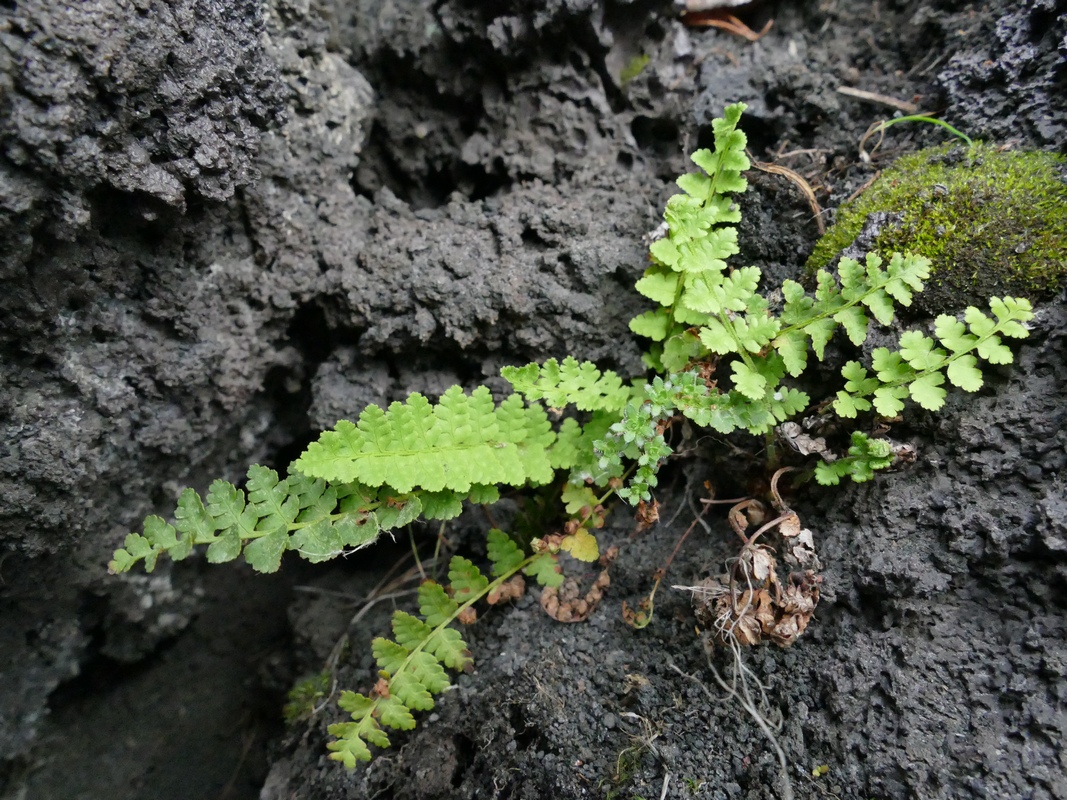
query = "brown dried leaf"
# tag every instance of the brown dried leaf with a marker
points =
(746, 513)
(903, 453)
(467, 616)
(798, 605)
(800, 552)
(785, 632)
(609, 556)
(547, 544)
(564, 604)
(762, 563)
(647, 515)
(509, 590)
(790, 526)
(746, 628)
(756, 513)
(754, 606)
(707, 591)
(793, 435)
(765, 611)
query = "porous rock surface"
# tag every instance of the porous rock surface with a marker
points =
(225, 225)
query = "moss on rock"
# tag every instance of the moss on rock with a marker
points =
(992, 222)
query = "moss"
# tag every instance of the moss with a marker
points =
(304, 696)
(992, 223)
(633, 68)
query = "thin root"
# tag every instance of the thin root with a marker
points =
(739, 689)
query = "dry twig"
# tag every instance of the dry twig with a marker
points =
(726, 22)
(798, 180)
(874, 97)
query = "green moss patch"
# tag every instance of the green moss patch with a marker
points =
(633, 68)
(993, 223)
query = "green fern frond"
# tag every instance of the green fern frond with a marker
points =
(845, 302)
(316, 520)
(305, 696)
(864, 457)
(462, 441)
(416, 459)
(686, 276)
(413, 664)
(580, 384)
(920, 367)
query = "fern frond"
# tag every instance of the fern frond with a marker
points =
(462, 441)
(271, 516)
(845, 302)
(864, 457)
(580, 384)
(921, 365)
(416, 459)
(686, 276)
(413, 664)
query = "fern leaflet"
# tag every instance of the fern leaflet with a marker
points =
(317, 520)
(864, 457)
(575, 383)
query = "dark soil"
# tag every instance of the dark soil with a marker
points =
(227, 224)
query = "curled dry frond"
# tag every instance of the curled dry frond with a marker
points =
(751, 603)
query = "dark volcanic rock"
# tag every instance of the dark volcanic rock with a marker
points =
(223, 225)
(143, 319)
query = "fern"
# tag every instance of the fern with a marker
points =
(383, 472)
(864, 457)
(575, 383)
(723, 355)
(920, 366)
(413, 664)
(713, 318)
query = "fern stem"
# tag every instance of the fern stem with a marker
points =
(800, 326)
(741, 350)
(415, 553)
(771, 450)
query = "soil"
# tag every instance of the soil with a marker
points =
(227, 224)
